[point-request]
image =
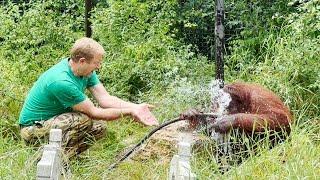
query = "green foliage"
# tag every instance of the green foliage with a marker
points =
(194, 25)
(38, 34)
(33, 37)
(154, 54)
(140, 54)
(288, 61)
(249, 21)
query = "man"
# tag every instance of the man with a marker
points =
(57, 100)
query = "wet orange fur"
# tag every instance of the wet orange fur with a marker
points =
(255, 108)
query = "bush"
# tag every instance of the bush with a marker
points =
(33, 37)
(141, 54)
(288, 61)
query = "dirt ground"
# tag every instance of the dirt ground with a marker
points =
(162, 145)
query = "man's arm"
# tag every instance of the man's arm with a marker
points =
(140, 113)
(115, 107)
(105, 100)
(108, 114)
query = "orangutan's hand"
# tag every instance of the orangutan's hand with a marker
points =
(193, 116)
(223, 124)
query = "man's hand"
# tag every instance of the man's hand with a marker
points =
(142, 114)
(150, 106)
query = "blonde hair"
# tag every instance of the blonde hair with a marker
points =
(86, 48)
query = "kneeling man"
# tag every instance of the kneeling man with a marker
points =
(57, 100)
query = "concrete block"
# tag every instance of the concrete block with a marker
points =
(184, 150)
(49, 166)
(55, 137)
(184, 171)
(180, 168)
(173, 171)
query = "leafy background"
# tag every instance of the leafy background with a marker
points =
(161, 52)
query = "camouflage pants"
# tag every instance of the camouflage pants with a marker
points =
(78, 132)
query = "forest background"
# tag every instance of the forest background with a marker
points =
(162, 52)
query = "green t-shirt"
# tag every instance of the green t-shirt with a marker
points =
(54, 93)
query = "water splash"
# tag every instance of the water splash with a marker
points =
(219, 98)
(183, 95)
(220, 102)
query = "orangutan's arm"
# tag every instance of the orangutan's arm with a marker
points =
(250, 122)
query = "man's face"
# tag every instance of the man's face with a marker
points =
(86, 68)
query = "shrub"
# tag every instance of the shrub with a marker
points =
(288, 61)
(141, 54)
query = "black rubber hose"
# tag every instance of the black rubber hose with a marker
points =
(166, 123)
(125, 156)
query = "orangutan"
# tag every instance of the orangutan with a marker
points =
(252, 109)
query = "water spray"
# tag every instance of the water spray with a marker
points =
(220, 100)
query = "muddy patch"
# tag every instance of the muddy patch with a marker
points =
(162, 145)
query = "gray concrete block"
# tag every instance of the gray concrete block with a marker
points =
(184, 150)
(55, 137)
(49, 166)
(180, 168)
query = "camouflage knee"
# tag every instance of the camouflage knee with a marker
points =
(98, 129)
(72, 120)
(34, 135)
(77, 145)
